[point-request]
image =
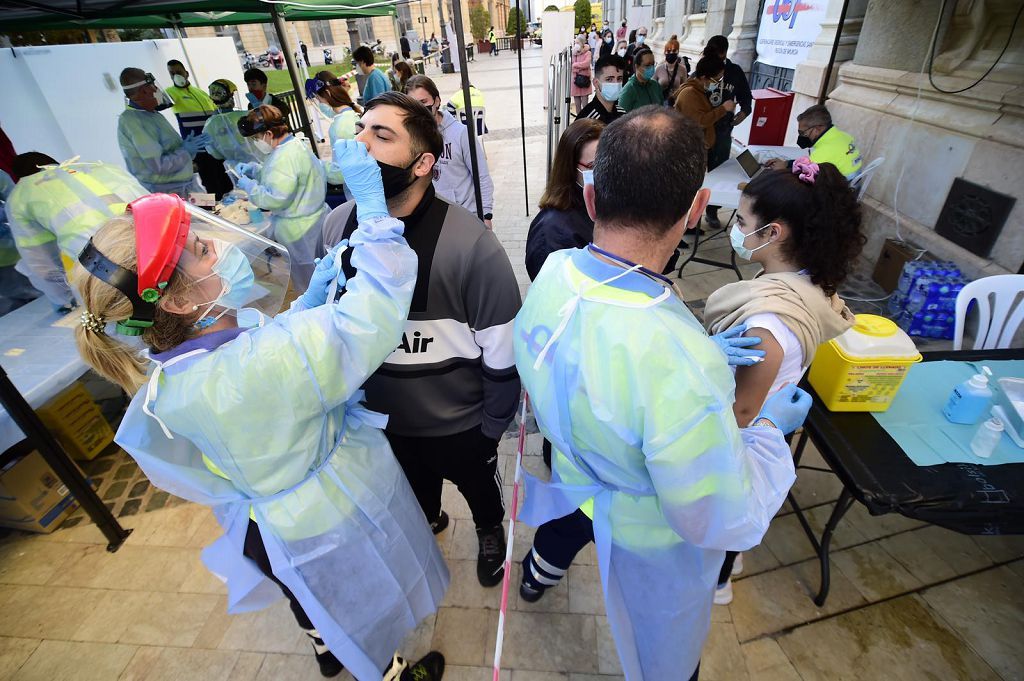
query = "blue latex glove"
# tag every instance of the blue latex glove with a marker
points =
(787, 408)
(362, 178)
(195, 143)
(247, 169)
(328, 269)
(246, 184)
(736, 347)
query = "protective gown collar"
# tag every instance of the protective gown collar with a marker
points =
(587, 262)
(208, 342)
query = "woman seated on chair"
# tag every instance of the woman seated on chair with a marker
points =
(803, 226)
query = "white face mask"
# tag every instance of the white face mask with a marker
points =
(737, 239)
(263, 146)
(622, 52)
(179, 80)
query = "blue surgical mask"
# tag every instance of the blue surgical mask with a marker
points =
(236, 277)
(611, 91)
(649, 73)
(640, 39)
(737, 237)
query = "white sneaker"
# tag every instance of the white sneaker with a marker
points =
(737, 566)
(723, 594)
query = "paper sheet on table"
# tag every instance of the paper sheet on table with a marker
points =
(916, 423)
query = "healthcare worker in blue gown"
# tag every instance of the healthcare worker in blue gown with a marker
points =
(262, 420)
(636, 400)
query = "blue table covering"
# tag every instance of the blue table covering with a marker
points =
(916, 423)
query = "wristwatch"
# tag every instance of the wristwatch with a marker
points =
(763, 423)
(488, 216)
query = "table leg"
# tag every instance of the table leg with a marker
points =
(54, 455)
(800, 444)
(842, 506)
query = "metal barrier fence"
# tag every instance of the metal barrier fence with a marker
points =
(559, 71)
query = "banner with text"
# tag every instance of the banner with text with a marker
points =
(788, 30)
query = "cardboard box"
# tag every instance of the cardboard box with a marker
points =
(76, 421)
(894, 255)
(32, 497)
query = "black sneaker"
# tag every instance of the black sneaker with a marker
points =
(441, 524)
(329, 664)
(429, 668)
(529, 593)
(490, 561)
(712, 221)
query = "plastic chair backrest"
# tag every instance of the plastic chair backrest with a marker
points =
(481, 129)
(999, 318)
(861, 182)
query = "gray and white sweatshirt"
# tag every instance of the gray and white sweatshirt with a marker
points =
(455, 368)
(453, 172)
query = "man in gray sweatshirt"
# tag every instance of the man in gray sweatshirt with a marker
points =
(453, 171)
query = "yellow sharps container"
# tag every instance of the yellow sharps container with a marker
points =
(862, 369)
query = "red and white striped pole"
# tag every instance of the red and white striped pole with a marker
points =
(511, 539)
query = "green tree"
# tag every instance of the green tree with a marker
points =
(582, 13)
(552, 8)
(479, 22)
(512, 15)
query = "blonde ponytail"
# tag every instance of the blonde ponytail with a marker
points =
(111, 358)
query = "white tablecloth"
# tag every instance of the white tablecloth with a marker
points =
(40, 359)
(723, 181)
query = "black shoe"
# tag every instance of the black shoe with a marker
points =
(528, 593)
(490, 561)
(329, 664)
(441, 524)
(712, 221)
(429, 668)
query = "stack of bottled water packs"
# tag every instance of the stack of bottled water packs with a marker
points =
(924, 302)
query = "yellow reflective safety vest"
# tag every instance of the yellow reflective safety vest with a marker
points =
(839, 149)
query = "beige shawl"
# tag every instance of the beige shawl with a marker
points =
(813, 317)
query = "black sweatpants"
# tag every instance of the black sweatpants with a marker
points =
(469, 459)
(555, 546)
(212, 173)
(257, 552)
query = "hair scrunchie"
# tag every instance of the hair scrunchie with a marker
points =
(806, 170)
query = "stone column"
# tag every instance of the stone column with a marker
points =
(743, 37)
(809, 76)
(720, 16)
(897, 33)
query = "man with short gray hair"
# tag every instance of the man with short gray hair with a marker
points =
(828, 144)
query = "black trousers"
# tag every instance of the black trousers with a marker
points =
(469, 459)
(726, 572)
(212, 173)
(555, 546)
(257, 552)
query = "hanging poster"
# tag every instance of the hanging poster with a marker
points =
(787, 30)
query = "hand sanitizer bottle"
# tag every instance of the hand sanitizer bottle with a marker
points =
(970, 400)
(987, 438)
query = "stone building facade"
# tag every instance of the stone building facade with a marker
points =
(879, 90)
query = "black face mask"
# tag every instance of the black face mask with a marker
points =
(671, 58)
(804, 142)
(397, 179)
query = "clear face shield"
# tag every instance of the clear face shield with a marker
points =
(163, 100)
(194, 264)
(234, 270)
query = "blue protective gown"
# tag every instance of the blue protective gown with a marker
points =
(637, 403)
(277, 410)
(154, 153)
(226, 142)
(292, 186)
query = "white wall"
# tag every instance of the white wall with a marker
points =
(64, 100)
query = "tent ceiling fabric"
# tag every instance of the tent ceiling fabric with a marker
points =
(68, 14)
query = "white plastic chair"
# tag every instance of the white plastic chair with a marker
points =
(478, 114)
(999, 318)
(861, 182)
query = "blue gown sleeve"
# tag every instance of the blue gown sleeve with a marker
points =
(343, 343)
(719, 487)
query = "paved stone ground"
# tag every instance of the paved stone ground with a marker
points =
(909, 601)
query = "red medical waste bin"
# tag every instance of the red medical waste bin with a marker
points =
(770, 119)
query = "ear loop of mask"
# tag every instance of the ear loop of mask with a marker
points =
(205, 321)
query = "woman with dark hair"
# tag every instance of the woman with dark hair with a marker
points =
(290, 183)
(607, 44)
(692, 99)
(563, 221)
(804, 228)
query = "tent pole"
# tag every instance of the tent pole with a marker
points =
(188, 59)
(470, 118)
(522, 105)
(293, 71)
